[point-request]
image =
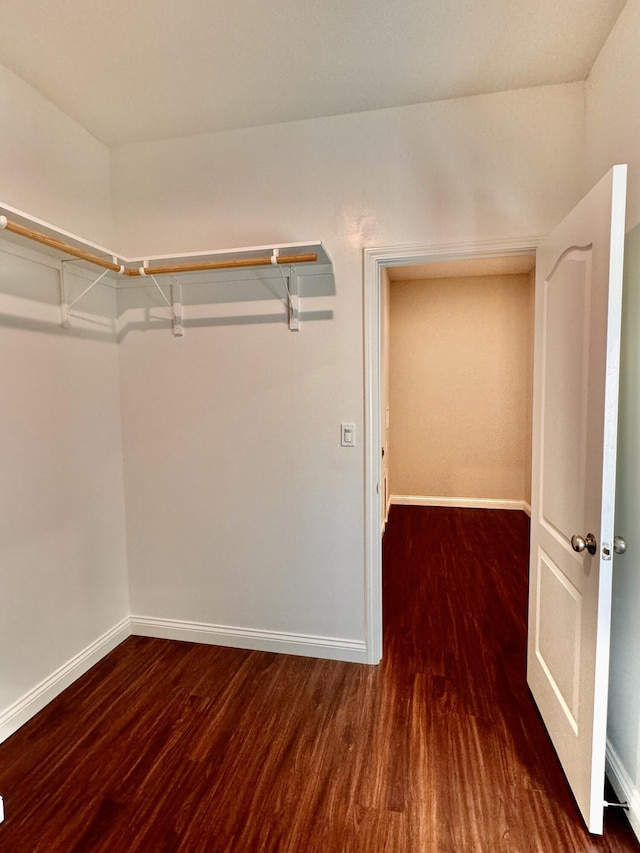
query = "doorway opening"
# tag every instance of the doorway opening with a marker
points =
(436, 261)
(457, 382)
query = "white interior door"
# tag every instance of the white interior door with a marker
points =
(577, 342)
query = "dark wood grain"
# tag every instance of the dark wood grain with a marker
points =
(167, 746)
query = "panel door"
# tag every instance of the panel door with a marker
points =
(577, 343)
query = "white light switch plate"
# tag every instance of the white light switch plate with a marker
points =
(348, 435)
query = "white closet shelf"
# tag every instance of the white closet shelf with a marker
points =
(18, 226)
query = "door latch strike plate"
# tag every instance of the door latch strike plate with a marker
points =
(606, 551)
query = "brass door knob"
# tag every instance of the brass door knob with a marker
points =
(579, 543)
(619, 545)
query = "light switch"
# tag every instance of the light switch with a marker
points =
(348, 435)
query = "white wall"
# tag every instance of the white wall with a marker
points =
(613, 108)
(63, 583)
(242, 508)
(613, 136)
(474, 168)
(50, 167)
(62, 544)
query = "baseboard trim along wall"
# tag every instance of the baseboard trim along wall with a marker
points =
(624, 787)
(463, 503)
(35, 700)
(330, 648)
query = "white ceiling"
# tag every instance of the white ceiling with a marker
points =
(134, 70)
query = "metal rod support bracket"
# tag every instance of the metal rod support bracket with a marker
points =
(293, 301)
(176, 303)
(65, 304)
(65, 320)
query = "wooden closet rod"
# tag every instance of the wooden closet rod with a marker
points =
(225, 265)
(143, 271)
(57, 244)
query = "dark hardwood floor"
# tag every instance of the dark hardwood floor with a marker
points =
(166, 746)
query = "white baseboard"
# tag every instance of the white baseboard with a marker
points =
(35, 700)
(624, 787)
(383, 527)
(463, 503)
(330, 648)
(527, 508)
(17, 714)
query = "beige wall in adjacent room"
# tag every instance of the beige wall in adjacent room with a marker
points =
(529, 390)
(385, 309)
(460, 387)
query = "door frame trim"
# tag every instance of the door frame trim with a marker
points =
(375, 259)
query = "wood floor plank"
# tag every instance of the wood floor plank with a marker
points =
(168, 747)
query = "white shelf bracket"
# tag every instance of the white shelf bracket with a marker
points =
(65, 304)
(292, 291)
(176, 303)
(65, 319)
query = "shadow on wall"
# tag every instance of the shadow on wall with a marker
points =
(31, 298)
(623, 721)
(162, 323)
(223, 299)
(226, 298)
(107, 333)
